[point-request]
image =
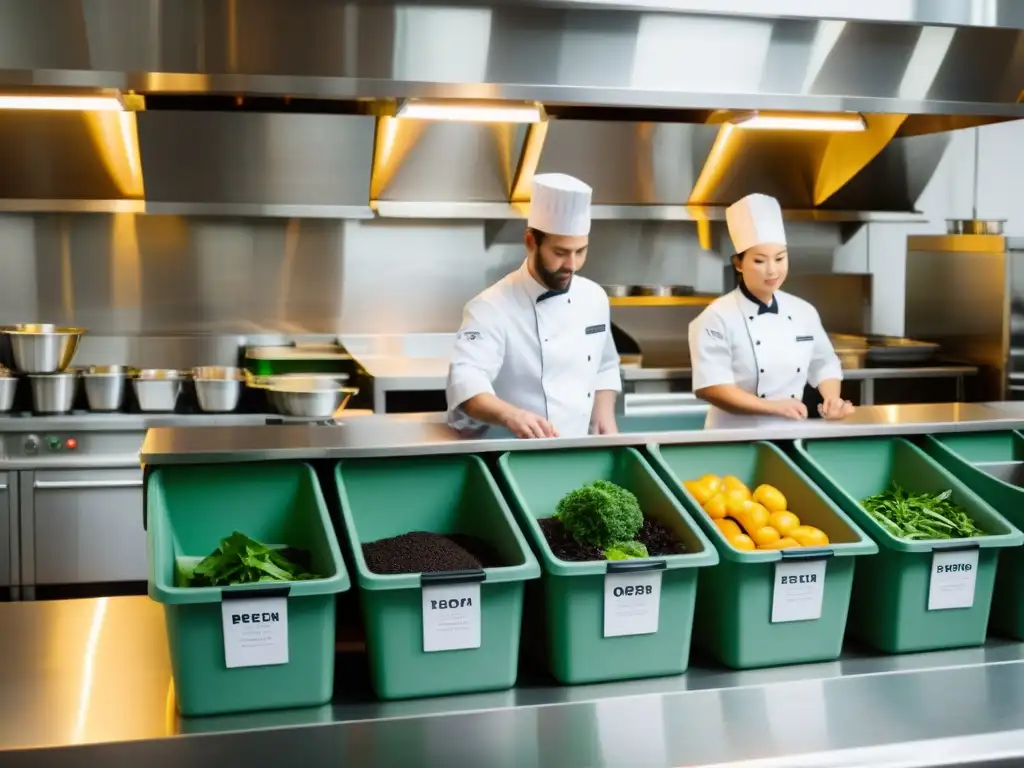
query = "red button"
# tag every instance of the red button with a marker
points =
(71, 443)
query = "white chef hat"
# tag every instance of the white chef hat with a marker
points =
(753, 220)
(560, 205)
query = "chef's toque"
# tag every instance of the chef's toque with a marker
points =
(754, 220)
(560, 205)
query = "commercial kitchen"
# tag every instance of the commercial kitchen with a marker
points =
(238, 238)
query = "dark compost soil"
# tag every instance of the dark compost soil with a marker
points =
(658, 539)
(423, 552)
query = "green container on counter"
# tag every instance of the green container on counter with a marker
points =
(386, 497)
(189, 510)
(890, 607)
(736, 599)
(992, 465)
(567, 610)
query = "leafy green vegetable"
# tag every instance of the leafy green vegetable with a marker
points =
(626, 550)
(600, 514)
(920, 516)
(241, 560)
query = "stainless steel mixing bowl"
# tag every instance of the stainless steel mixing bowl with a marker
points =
(104, 387)
(53, 392)
(157, 389)
(309, 398)
(218, 389)
(41, 348)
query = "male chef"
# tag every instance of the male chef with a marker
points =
(535, 353)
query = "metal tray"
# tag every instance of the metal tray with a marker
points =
(894, 349)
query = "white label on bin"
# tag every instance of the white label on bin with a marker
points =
(953, 578)
(799, 590)
(451, 617)
(631, 603)
(255, 631)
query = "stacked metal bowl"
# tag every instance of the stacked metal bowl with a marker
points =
(44, 353)
(308, 396)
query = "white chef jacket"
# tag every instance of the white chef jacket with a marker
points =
(769, 351)
(543, 351)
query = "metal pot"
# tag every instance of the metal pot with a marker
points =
(42, 348)
(309, 398)
(8, 387)
(975, 226)
(104, 387)
(157, 389)
(218, 389)
(53, 392)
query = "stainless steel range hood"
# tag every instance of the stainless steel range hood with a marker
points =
(632, 91)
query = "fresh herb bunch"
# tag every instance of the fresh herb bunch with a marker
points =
(241, 560)
(600, 514)
(917, 516)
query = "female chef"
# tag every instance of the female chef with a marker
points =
(754, 349)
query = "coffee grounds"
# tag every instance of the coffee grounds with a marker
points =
(658, 539)
(423, 552)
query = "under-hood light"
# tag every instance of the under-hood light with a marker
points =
(830, 123)
(470, 112)
(68, 102)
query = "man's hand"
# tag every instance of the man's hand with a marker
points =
(604, 425)
(835, 408)
(524, 424)
(788, 409)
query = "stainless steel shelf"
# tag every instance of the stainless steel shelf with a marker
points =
(420, 434)
(107, 699)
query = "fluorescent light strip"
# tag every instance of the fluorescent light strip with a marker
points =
(470, 113)
(827, 123)
(63, 103)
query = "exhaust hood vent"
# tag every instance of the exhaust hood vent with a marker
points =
(69, 161)
(444, 169)
(314, 166)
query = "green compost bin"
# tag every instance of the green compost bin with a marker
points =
(992, 465)
(189, 509)
(889, 609)
(736, 597)
(567, 611)
(382, 498)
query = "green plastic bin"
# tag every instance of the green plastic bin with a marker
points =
(381, 498)
(991, 464)
(571, 604)
(734, 602)
(189, 509)
(890, 598)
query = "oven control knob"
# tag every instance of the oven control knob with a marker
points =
(31, 444)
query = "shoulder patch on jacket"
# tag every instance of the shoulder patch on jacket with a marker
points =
(468, 335)
(714, 334)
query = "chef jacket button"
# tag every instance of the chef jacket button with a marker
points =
(751, 317)
(588, 360)
(762, 370)
(758, 343)
(798, 370)
(789, 317)
(588, 395)
(793, 396)
(762, 395)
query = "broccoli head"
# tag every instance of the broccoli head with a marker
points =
(600, 514)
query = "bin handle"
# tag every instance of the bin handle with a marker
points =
(453, 577)
(246, 594)
(633, 566)
(807, 554)
(956, 547)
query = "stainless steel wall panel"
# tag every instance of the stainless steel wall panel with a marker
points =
(266, 159)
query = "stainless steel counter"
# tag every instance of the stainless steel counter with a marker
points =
(418, 434)
(140, 422)
(93, 677)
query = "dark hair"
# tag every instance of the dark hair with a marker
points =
(538, 236)
(737, 276)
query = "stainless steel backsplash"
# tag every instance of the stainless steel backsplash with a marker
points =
(181, 291)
